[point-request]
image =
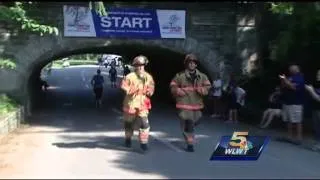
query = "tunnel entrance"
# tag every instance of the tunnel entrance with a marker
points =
(163, 65)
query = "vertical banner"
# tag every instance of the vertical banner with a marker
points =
(124, 23)
(172, 23)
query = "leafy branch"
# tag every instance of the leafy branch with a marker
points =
(99, 7)
(282, 8)
(7, 64)
(16, 14)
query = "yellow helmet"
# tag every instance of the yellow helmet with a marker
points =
(140, 60)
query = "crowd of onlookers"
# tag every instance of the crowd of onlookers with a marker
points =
(227, 99)
(286, 102)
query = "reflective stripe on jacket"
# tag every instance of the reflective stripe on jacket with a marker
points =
(192, 100)
(138, 92)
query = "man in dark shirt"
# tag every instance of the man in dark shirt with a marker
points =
(97, 83)
(314, 91)
(293, 99)
(113, 76)
(126, 70)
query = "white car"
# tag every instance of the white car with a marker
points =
(65, 64)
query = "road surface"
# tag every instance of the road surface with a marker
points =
(69, 138)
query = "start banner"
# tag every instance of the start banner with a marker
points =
(124, 23)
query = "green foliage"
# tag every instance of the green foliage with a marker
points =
(16, 15)
(300, 28)
(7, 64)
(74, 62)
(7, 104)
(282, 8)
(99, 7)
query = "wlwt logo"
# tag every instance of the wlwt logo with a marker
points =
(240, 146)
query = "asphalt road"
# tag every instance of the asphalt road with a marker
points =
(69, 138)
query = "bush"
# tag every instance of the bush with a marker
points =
(7, 104)
(75, 62)
(82, 62)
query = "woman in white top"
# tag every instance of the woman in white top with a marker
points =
(216, 95)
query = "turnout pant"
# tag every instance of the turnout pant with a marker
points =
(144, 127)
(188, 121)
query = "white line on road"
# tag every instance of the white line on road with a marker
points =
(116, 111)
(67, 104)
(83, 76)
(165, 142)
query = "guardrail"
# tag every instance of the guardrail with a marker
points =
(12, 121)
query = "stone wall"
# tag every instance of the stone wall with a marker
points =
(216, 32)
(11, 122)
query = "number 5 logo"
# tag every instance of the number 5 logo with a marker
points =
(236, 137)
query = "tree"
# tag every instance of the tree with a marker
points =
(300, 22)
(282, 7)
(15, 14)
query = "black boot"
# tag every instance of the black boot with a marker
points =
(128, 142)
(144, 147)
(190, 148)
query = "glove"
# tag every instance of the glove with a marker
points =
(202, 91)
(133, 90)
(180, 92)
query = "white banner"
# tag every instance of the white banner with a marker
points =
(124, 23)
(78, 22)
(172, 23)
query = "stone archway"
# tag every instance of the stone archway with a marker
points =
(38, 50)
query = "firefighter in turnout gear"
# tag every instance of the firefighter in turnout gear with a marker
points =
(189, 87)
(139, 87)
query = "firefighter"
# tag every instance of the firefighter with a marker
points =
(189, 87)
(138, 87)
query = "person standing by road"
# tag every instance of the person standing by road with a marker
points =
(189, 87)
(126, 70)
(314, 91)
(139, 87)
(216, 94)
(113, 76)
(293, 100)
(97, 83)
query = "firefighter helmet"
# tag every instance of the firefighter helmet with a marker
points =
(140, 60)
(190, 57)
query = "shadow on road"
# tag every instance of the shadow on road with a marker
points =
(111, 143)
(73, 124)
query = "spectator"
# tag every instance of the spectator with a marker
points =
(315, 94)
(293, 99)
(113, 76)
(126, 70)
(236, 99)
(97, 82)
(216, 93)
(274, 109)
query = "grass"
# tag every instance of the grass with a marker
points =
(7, 105)
(75, 62)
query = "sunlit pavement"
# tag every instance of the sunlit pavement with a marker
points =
(72, 139)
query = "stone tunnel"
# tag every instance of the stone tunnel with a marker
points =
(221, 35)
